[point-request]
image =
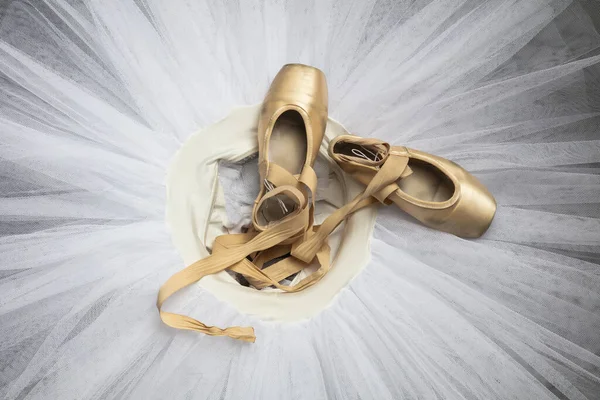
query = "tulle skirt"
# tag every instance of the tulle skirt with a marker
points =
(98, 96)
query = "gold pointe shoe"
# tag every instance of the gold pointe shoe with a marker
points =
(290, 131)
(436, 191)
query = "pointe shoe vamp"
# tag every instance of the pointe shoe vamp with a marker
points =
(302, 89)
(468, 215)
(314, 120)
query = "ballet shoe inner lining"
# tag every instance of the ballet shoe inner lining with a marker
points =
(287, 143)
(426, 182)
(275, 208)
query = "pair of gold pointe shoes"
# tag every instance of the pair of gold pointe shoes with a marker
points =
(284, 240)
(435, 191)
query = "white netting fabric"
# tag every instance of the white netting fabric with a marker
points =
(97, 96)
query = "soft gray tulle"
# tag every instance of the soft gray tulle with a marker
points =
(96, 96)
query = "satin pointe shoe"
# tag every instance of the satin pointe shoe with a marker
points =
(291, 127)
(437, 192)
(290, 131)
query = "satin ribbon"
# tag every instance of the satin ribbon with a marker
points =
(247, 253)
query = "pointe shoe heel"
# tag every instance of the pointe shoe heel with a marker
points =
(435, 191)
(291, 127)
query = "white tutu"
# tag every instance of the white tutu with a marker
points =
(98, 96)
